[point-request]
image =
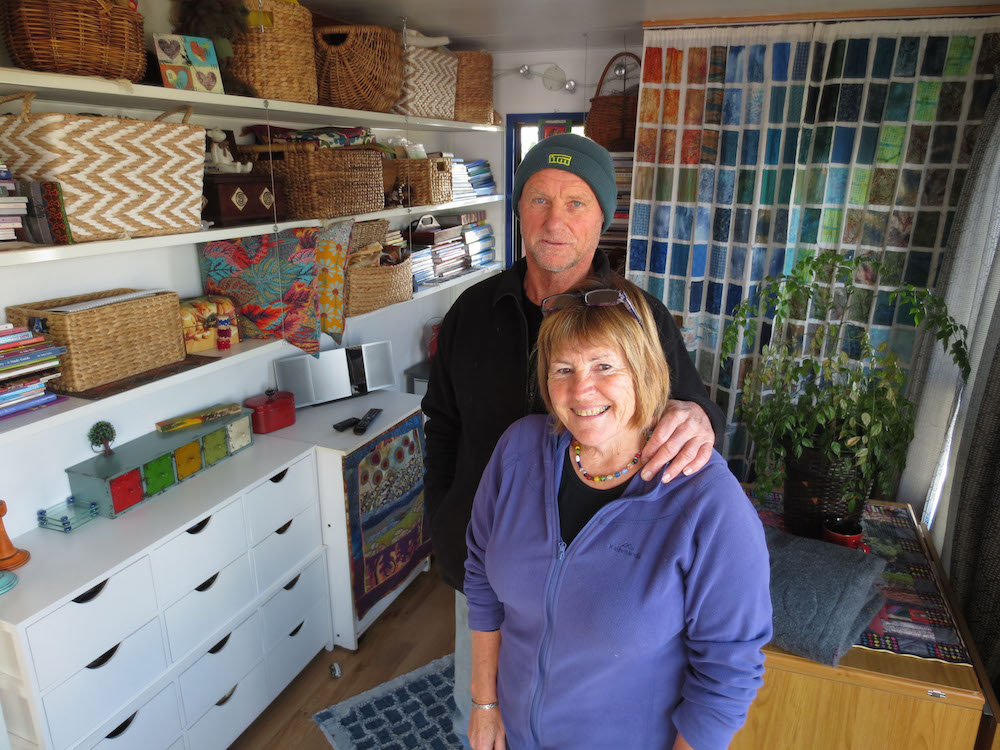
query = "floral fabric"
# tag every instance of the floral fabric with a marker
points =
(332, 247)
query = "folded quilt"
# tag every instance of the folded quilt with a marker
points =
(822, 595)
(325, 137)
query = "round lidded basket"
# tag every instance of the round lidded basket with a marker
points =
(359, 66)
(77, 37)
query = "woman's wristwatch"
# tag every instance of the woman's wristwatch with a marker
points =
(485, 706)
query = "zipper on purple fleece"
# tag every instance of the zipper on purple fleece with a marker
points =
(543, 652)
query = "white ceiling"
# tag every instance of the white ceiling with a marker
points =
(514, 25)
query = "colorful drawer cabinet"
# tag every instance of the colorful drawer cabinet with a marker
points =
(155, 462)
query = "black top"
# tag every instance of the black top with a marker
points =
(533, 315)
(579, 502)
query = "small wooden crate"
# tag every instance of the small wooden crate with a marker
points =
(429, 180)
(156, 462)
(109, 342)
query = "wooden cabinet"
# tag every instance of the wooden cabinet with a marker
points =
(175, 624)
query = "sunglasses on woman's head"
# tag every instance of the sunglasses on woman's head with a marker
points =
(593, 298)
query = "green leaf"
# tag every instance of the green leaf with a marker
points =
(866, 418)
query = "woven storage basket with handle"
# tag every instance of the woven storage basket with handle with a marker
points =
(364, 233)
(372, 287)
(814, 492)
(321, 183)
(359, 67)
(428, 83)
(611, 119)
(109, 342)
(119, 177)
(429, 180)
(474, 87)
(79, 37)
(278, 60)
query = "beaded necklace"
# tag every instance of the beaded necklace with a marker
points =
(603, 477)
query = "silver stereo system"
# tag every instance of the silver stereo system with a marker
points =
(336, 373)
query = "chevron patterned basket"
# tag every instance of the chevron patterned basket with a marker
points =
(429, 80)
(120, 177)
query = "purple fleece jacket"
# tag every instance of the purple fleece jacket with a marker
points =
(651, 622)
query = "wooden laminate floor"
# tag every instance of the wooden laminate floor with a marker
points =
(416, 629)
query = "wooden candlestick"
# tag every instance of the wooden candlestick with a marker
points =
(10, 556)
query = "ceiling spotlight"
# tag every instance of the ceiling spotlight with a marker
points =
(570, 85)
(525, 71)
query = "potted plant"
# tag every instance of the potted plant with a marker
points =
(827, 410)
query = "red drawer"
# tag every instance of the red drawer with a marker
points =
(126, 490)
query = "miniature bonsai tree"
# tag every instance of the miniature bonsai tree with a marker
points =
(102, 434)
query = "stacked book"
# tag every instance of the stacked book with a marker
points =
(461, 187)
(27, 362)
(481, 177)
(12, 207)
(465, 241)
(479, 242)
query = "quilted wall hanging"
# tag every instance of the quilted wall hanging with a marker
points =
(758, 145)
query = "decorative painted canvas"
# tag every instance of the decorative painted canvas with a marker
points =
(389, 532)
(188, 62)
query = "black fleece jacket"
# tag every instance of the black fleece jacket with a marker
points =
(479, 386)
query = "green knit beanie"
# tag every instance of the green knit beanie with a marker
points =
(572, 153)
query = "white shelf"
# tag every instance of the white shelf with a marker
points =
(41, 254)
(20, 425)
(93, 91)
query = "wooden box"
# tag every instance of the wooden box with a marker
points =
(243, 198)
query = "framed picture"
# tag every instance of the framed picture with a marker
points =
(188, 62)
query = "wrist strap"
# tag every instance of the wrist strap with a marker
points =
(485, 706)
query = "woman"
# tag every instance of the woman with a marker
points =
(606, 611)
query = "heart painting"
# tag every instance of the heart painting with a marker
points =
(207, 81)
(188, 62)
(170, 47)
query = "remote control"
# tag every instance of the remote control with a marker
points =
(344, 424)
(362, 425)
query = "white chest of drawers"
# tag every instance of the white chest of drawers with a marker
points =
(174, 625)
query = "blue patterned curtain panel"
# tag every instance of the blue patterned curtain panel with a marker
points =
(758, 145)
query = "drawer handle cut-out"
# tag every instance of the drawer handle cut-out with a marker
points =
(220, 645)
(225, 699)
(207, 584)
(200, 526)
(89, 594)
(121, 727)
(291, 584)
(104, 658)
(297, 629)
(284, 528)
(279, 476)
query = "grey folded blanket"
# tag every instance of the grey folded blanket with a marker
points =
(823, 595)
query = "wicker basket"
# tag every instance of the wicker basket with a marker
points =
(321, 183)
(814, 492)
(359, 67)
(110, 342)
(429, 180)
(428, 84)
(474, 88)
(372, 287)
(611, 120)
(119, 177)
(79, 37)
(364, 233)
(278, 61)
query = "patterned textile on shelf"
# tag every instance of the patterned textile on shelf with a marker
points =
(758, 145)
(328, 137)
(915, 619)
(272, 278)
(331, 256)
(389, 532)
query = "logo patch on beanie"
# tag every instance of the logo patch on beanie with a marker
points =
(563, 159)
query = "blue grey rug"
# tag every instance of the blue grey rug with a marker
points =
(412, 712)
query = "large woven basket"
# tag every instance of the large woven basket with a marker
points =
(110, 342)
(611, 119)
(429, 180)
(364, 233)
(359, 67)
(79, 37)
(814, 492)
(372, 287)
(474, 87)
(119, 177)
(278, 60)
(428, 83)
(321, 183)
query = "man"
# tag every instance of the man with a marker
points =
(482, 376)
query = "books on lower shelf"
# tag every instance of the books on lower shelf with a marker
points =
(26, 366)
(458, 254)
(12, 207)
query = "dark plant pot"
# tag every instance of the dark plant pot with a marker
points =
(814, 491)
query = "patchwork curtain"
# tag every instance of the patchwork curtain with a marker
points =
(758, 145)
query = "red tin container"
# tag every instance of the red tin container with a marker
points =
(272, 410)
